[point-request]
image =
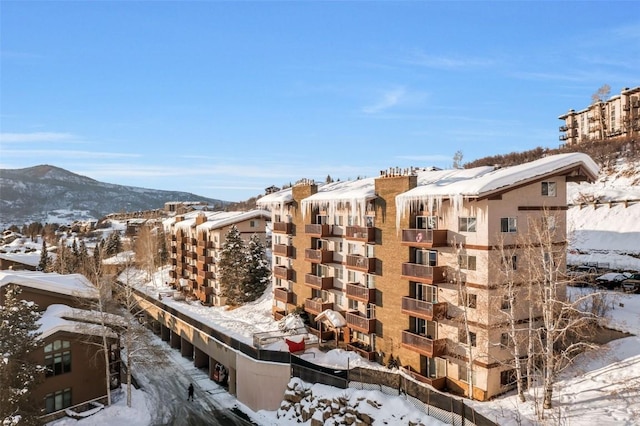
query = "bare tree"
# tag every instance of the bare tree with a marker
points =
(463, 317)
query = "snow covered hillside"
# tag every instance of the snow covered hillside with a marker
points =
(604, 219)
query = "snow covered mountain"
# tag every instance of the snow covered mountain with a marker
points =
(50, 194)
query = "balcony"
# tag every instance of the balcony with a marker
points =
(322, 335)
(563, 128)
(319, 283)
(317, 230)
(208, 275)
(361, 263)
(423, 273)
(282, 227)
(361, 233)
(316, 306)
(362, 349)
(318, 256)
(423, 344)
(358, 322)
(283, 294)
(282, 272)
(361, 293)
(278, 315)
(437, 382)
(427, 238)
(283, 250)
(423, 309)
(205, 259)
(563, 137)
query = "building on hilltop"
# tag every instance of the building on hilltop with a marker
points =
(197, 239)
(71, 337)
(614, 118)
(391, 253)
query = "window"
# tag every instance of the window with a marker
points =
(369, 250)
(467, 262)
(57, 357)
(506, 303)
(337, 299)
(321, 219)
(57, 401)
(549, 189)
(467, 224)
(370, 280)
(352, 248)
(338, 220)
(426, 222)
(472, 301)
(252, 224)
(338, 273)
(462, 337)
(505, 340)
(353, 304)
(508, 224)
(508, 377)
(549, 222)
(510, 262)
(369, 221)
(351, 277)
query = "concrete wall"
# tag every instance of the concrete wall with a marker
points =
(261, 385)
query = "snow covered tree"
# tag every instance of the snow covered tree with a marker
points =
(233, 266)
(258, 272)
(113, 244)
(18, 374)
(45, 260)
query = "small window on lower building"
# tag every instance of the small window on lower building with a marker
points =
(57, 401)
(549, 189)
(508, 377)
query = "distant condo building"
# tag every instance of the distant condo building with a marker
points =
(614, 118)
(391, 253)
(196, 241)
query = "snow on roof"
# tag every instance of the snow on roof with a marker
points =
(433, 187)
(122, 258)
(276, 201)
(334, 318)
(31, 259)
(71, 284)
(60, 317)
(341, 195)
(215, 219)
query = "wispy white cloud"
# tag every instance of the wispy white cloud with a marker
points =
(388, 100)
(35, 137)
(448, 62)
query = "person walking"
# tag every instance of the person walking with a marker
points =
(190, 398)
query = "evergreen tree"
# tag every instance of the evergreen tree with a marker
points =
(18, 374)
(113, 245)
(258, 271)
(163, 255)
(232, 266)
(45, 260)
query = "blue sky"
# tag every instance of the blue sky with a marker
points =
(223, 99)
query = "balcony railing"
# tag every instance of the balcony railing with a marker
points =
(437, 382)
(317, 230)
(319, 283)
(361, 323)
(423, 273)
(322, 335)
(283, 250)
(359, 292)
(361, 233)
(283, 294)
(423, 309)
(563, 128)
(205, 244)
(424, 237)
(423, 344)
(361, 263)
(316, 306)
(278, 315)
(362, 349)
(318, 256)
(206, 274)
(282, 227)
(282, 272)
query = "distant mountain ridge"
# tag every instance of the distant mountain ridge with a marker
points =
(43, 193)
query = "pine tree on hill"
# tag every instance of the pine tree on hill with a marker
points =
(18, 374)
(258, 273)
(232, 266)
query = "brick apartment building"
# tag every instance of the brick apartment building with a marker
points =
(619, 116)
(196, 241)
(385, 252)
(71, 337)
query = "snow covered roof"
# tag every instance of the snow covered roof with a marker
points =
(30, 259)
(334, 318)
(59, 317)
(458, 185)
(215, 219)
(341, 195)
(71, 284)
(276, 201)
